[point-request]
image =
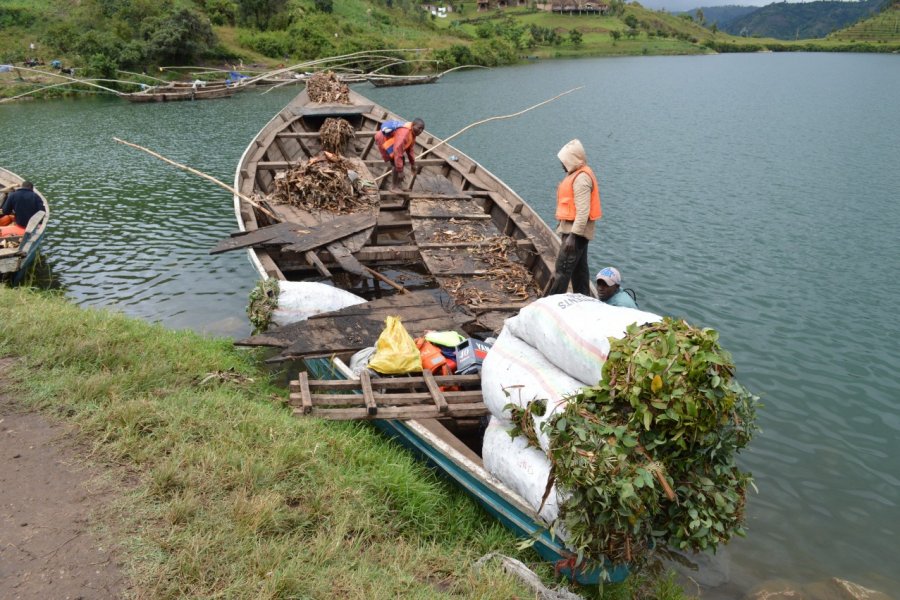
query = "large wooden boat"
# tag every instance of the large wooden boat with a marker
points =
(16, 254)
(439, 238)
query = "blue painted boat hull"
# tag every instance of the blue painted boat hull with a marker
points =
(495, 499)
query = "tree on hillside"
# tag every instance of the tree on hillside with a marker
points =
(700, 17)
(177, 38)
(575, 37)
(258, 13)
(616, 34)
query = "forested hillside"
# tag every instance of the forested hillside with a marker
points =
(801, 20)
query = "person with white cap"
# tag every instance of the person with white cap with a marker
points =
(609, 290)
(577, 209)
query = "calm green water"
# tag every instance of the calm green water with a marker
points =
(756, 194)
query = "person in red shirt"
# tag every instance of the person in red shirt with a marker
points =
(395, 141)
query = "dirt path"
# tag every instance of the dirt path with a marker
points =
(48, 545)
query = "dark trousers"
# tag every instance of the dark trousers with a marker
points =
(572, 267)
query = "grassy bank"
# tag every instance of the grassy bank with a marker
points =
(231, 496)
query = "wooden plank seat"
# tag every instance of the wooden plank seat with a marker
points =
(405, 397)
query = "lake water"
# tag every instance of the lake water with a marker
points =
(756, 194)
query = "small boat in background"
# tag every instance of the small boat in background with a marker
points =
(177, 92)
(17, 253)
(398, 80)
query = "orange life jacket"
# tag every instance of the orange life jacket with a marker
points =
(433, 360)
(388, 144)
(565, 196)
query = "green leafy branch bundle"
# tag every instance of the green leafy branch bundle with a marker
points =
(263, 302)
(646, 458)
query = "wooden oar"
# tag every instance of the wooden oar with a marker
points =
(482, 122)
(253, 202)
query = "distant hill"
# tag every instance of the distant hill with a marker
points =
(721, 15)
(883, 27)
(789, 21)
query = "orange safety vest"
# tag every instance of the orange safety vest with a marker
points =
(388, 144)
(565, 196)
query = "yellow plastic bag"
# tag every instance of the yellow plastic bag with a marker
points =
(395, 350)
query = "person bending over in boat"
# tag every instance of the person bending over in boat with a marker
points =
(609, 290)
(577, 209)
(395, 140)
(18, 208)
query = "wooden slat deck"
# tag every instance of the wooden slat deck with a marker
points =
(413, 397)
(356, 327)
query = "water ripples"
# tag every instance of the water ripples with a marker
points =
(756, 194)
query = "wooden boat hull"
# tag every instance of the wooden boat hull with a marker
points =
(401, 81)
(450, 193)
(14, 263)
(180, 94)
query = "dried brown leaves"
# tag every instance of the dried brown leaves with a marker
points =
(321, 184)
(509, 279)
(335, 133)
(325, 86)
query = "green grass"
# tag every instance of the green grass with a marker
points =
(230, 495)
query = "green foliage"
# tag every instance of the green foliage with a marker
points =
(180, 37)
(668, 417)
(259, 13)
(575, 37)
(263, 301)
(325, 6)
(101, 66)
(17, 16)
(222, 12)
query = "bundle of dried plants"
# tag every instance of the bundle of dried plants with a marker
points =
(321, 184)
(325, 86)
(334, 134)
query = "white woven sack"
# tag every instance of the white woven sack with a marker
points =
(521, 468)
(516, 373)
(572, 331)
(299, 300)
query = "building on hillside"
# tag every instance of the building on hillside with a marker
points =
(579, 7)
(499, 4)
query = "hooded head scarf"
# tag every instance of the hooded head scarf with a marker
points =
(572, 156)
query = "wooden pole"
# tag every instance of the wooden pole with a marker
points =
(391, 283)
(253, 202)
(482, 122)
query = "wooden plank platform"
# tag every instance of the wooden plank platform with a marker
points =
(297, 237)
(424, 396)
(355, 327)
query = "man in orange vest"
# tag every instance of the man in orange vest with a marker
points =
(577, 209)
(395, 141)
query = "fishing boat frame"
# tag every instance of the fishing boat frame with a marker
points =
(14, 262)
(184, 92)
(291, 137)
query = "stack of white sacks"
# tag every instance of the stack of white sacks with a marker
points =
(551, 349)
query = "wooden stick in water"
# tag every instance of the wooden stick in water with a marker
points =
(205, 176)
(488, 120)
(391, 283)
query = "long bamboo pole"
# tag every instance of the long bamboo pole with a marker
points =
(204, 176)
(482, 122)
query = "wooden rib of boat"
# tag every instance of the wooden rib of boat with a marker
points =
(183, 92)
(434, 239)
(15, 259)
(399, 80)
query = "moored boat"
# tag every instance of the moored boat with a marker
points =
(183, 92)
(454, 248)
(399, 80)
(17, 253)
